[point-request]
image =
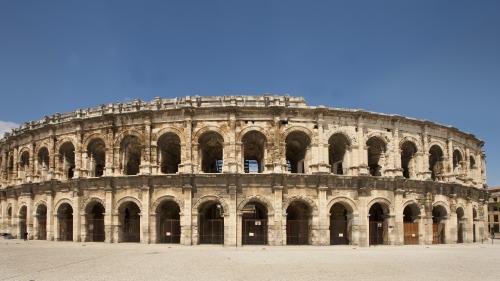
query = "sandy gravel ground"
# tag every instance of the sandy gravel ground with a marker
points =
(41, 260)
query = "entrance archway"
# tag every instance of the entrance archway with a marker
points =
(254, 224)
(460, 225)
(298, 216)
(41, 217)
(438, 224)
(378, 226)
(130, 220)
(168, 223)
(411, 215)
(95, 222)
(65, 220)
(340, 224)
(23, 227)
(211, 223)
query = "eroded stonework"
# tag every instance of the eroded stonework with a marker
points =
(241, 170)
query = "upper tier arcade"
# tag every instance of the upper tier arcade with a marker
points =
(236, 134)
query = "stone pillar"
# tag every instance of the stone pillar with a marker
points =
(186, 165)
(424, 170)
(398, 218)
(230, 218)
(108, 215)
(362, 155)
(186, 216)
(76, 216)
(145, 198)
(396, 152)
(145, 167)
(323, 218)
(363, 226)
(50, 218)
(279, 237)
(29, 217)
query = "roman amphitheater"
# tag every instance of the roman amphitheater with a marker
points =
(241, 170)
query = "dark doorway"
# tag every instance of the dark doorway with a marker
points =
(340, 233)
(411, 215)
(168, 223)
(211, 146)
(254, 224)
(95, 222)
(130, 222)
(297, 223)
(65, 219)
(297, 145)
(378, 224)
(169, 153)
(460, 225)
(23, 227)
(211, 221)
(438, 224)
(41, 217)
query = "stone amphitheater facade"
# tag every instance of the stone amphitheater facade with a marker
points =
(239, 170)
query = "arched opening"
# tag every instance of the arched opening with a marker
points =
(211, 152)
(378, 227)
(254, 224)
(460, 225)
(254, 145)
(340, 224)
(474, 218)
(130, 220)
(96, 151)
(168, 223)
(94, 214)
(24, 163)
(211, 223)
(338, 145)
(298, 217)
(436, 164)
(408, 161)
(472, 163)
(457, 162)
(65, 221)
(67, 160)
(411, 214)
(169, 153)
(130, 152)
(43, 162)
(41, 218)
(439, 216)
(297, 146)
(376, 155)
(23, 227)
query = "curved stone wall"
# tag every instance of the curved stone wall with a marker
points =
(233, 170)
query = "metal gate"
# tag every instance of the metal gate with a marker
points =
(212, 231)
(131, 230)
(170, 231)
(297, 232)
(377, 231)
(437, 233)
(42, 228)
(23, 229)
(411, 233)
(66, 229)
(254, 232)
(339, 234)
(95, 228)
(460, 233)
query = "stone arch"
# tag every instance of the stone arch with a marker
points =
(379, 135)
(384, 202)
(248, 129)
(210, 128)
(410, 202)
(89, 202)
(60, 202)
(159, 201)
(130, 132)
(207, 198)
(170, 129)
(439, 144)
(259, 199)
(350, 141)
(304, 199)
(443, 204)
(42, 144)
(37, 204)
(296, 128)
(414, 140)
(89, 138)
(345, 201)
(125, 200)
(66, 139)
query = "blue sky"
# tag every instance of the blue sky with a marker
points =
(437, 60)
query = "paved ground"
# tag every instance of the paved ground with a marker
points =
(38, 260)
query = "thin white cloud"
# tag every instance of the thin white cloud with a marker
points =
(6, 126)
